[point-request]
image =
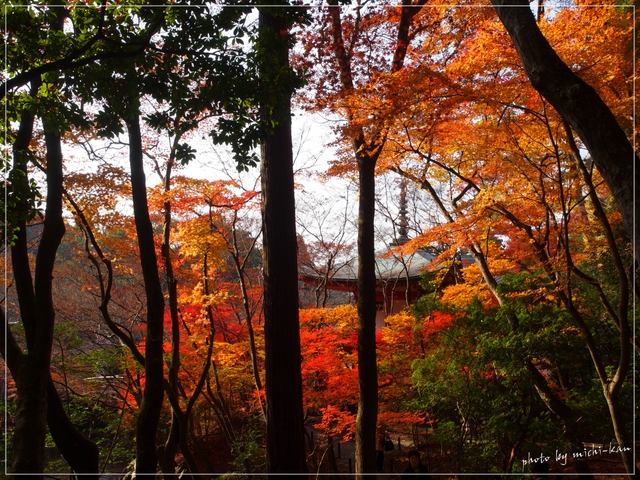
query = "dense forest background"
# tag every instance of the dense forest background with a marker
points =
(154, 309)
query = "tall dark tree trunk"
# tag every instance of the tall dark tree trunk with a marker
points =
(179, 420)
(580, 105)
(81, 454)
(366, 418)
(367, 154)
(78, 451)
(152, 397)
(167, 458)
(30, 417)
(32, 376)
(285, 421)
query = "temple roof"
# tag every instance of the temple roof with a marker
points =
(391, 267)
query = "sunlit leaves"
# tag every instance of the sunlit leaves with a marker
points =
(328, 344)
(336, 422)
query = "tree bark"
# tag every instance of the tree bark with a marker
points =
(366, 154)
(81, 454)
(167, 453)
(580, 105)
(78, 451)
(33, 373)
(152, 397)
(30, 417)
(367, 416)
(285, 426)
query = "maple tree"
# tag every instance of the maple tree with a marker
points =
(539, 173)
(205, 218)
(579, 104)
(210, 321)
(347, 38)
(179, 417)
(181, 114)
(516, 161)
(214, 266)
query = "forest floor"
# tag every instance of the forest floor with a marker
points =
(602, 467)
(220, 460)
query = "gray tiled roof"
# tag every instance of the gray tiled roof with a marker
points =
(392, 267)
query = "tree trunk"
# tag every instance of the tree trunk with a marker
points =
(27, 457)
(152, 397)
(78, 451)
(620, 430)
(564, 412)
(33, 373)
(580, 105)
(167, 453)
(367, 154)
(366, 418)
(285, 425)
(30, 418)
(81, 454)
(240, 264)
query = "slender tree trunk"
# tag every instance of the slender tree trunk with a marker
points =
(566, 415)
(18, 225)
(26, 457)
(168, 451)
(81, 454)
(285, 420)
(152, 397)
(240, 264)
(620, 429)
(580, 105)
(32, 376)
(366, 418)
(78, 451)
(367, 154)
(611, 386)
